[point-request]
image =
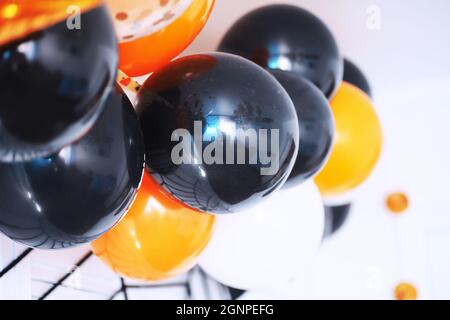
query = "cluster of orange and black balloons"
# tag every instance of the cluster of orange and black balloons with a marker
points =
(77, 158)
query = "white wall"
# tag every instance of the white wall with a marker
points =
(413, 43)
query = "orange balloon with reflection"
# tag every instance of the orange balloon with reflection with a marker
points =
(159, 238)
(151, 52)
(20, 18)
(357, 146)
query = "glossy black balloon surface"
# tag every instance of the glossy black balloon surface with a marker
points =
(316, 124)
(288, 38)
(74, 196)
(235, 294)
(224, 93)
(53, 85)
(335, 218)
(353, 75)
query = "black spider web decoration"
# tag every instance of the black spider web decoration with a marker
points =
(124, 288)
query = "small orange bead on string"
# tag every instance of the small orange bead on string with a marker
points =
(397, 202)
(405, 291)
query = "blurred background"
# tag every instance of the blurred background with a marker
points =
(403, 48)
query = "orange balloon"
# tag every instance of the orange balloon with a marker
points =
(20, 18)
(159, 238)
(150, 53)
(357, 146)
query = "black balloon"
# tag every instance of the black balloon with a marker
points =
(235, 294)
(353, 75)
(53, 85)
(77, 194)
(223, 93)
(288, 38)
(335, 217)
(316, 124)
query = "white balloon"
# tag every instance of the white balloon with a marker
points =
(267, 246)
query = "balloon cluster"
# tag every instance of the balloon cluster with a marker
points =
(200, 160)
(71, 146)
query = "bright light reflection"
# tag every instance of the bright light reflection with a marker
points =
(280, 63)
(154, 206)
(27, 49)
(10, 11)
